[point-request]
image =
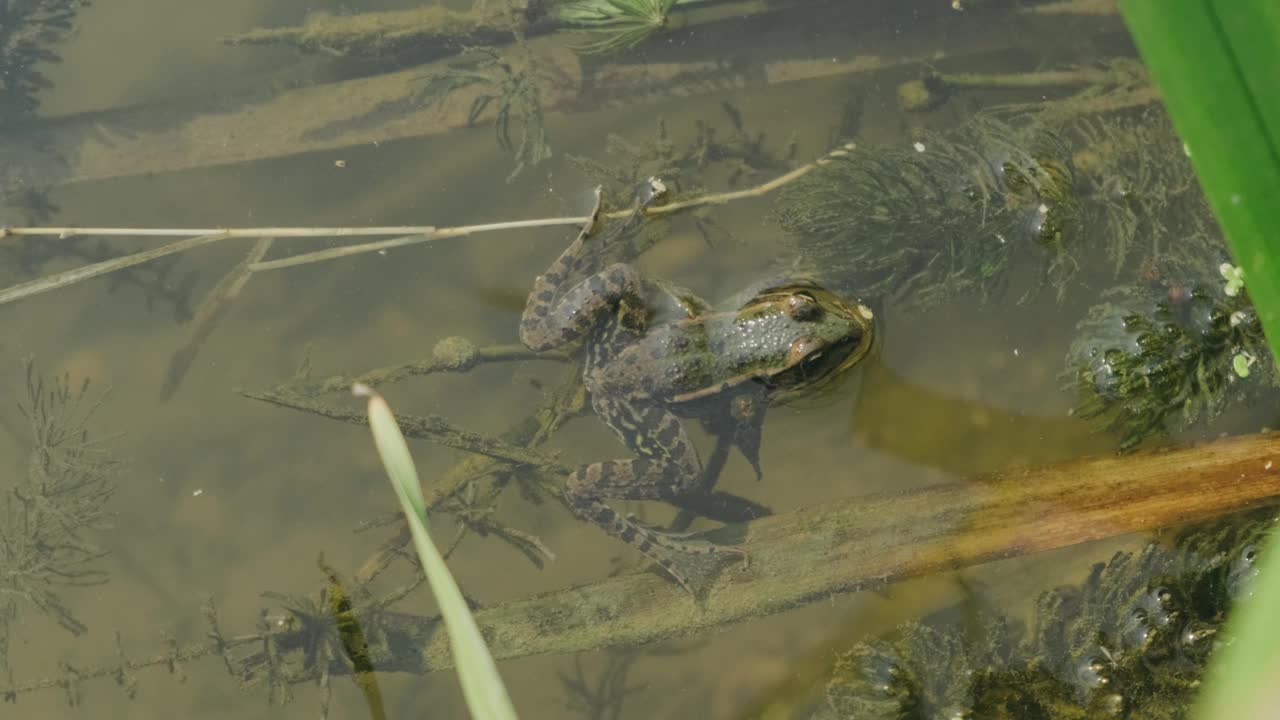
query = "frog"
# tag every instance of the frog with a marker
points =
(657, 354)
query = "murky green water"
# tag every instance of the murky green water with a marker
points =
(228, 497)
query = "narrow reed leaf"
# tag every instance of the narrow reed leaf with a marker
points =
(1223, 103)
(486, 696)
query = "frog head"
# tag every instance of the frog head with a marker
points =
(815, 335)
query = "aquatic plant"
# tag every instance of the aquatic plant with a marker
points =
(51, 509)
(603, 697)
(738, 153)
(1181, 343)
(1144, 204)
(616, 24)
(951, 213)
(515, 92)
(944, 216)
(1147, 361)
(1131, 640)
(913, 673)
(27, 32)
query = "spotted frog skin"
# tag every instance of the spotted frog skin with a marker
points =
(644, 372)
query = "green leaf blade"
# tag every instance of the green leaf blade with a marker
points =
(482, 686)
(1215, 64)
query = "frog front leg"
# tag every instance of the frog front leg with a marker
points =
(746, 411)
(667, 468)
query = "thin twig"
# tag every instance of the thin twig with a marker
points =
(444, 233)
(409, 234)
(280, 232)
(71, 277)
(426, 236)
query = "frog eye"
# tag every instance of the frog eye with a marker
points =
(802, 306)
(801, 349)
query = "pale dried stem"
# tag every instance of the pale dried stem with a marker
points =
(71, 277)
(409, 235)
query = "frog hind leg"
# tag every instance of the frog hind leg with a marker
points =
(549, 322)
(677, 557)
(668, 468)
(554, 316)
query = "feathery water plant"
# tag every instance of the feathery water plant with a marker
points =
(616, 24)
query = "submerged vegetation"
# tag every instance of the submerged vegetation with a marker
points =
(1147, 361)
(683, 167)
(52, 507)
(1132, 640)
(951, 214)
(435, 30)
(514, 93)
(948, 214)
(944, 216)
(28, 30)
(616, 24)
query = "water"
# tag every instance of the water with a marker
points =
(230, 497)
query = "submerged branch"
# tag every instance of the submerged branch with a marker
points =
(866, 542)
(797, 558)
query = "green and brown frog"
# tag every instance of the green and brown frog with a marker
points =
(655, 353)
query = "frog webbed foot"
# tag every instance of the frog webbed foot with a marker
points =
(697, 572)
(694, 564)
